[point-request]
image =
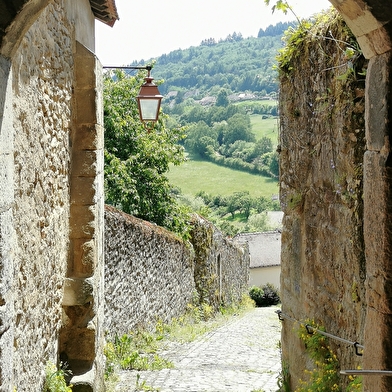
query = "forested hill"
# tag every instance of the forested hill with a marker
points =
(235, 63)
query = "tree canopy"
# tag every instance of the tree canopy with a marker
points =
(136, 160)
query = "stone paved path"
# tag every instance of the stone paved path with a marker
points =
(240, 356)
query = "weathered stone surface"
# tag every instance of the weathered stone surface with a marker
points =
(367, 24)
(42, 83)
(37, 107)
(88, 137)
(85, 257)
(377, 102)
(85, 75)
(7, 229)
(82, 338)
(83, 224)
(221, 267)
(148, 273)
(84, 190)
(85, 162)
(77, 291)
(377, 231)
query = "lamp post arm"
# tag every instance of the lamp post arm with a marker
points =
(146, 67)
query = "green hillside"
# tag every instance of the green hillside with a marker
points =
(224, 94)
(237, 64)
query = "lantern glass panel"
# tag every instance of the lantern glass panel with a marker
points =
(149, 108)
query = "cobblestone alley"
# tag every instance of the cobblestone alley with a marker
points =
(240, 356)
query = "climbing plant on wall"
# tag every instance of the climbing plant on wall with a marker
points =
(136, 160)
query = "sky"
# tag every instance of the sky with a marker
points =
(148, 29)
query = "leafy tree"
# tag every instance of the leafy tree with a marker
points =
(274, 164)
(136, 160)
(239, 201)
(246, 204)
(194, 115)
(199, 137)
(271, 161)
(222, 99)
(238, 128)
(263, 146)
(275, 30)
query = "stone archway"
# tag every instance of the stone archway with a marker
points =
(15, 20)
(370, 21)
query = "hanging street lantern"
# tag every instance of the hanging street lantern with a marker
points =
(149, 98)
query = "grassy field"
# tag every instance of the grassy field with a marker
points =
(196, 175)
(265, 128)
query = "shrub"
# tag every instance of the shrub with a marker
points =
(55, 379)
(266, 295)
(256, 293)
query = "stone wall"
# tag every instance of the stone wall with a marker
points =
(150, 274)
(221, 266)
(322, 146)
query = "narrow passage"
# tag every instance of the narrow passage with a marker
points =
(240, 356)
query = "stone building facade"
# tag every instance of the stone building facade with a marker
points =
(51, 195)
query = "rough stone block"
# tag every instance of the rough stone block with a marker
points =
(377, 356)
(380, 40)
(377, 214)
(83, 221)
(84, 163)
(84, 190)
(86, 106)
(357, 16)
(78, 291)
(85, 64)
(81, 345)
(84, 382)
(88, 137)
(84, 255)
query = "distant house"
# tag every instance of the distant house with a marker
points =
(264, 250)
